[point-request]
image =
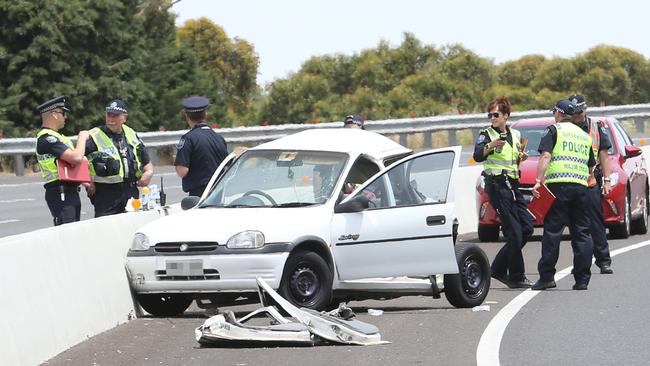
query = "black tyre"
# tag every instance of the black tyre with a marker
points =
(640, 225)
(165, 304)
(469, 287)
(622, 230)
(307, 281)
(488, 233)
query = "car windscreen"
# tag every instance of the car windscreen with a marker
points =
(534, 135)
(276, 178)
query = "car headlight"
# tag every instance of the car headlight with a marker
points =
(140, 242)
(613, 178)
(248, 239)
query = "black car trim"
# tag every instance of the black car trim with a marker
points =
(394, 239)
(220, 250)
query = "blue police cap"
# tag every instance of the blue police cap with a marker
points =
(195, 104)
(579, 101)
(353, 118)
(564, 106)
(52, 104)
(117, 106)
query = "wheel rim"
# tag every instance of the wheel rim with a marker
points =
(473, 277)
(627, 215)
(305, 285)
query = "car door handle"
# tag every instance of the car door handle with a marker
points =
(436, 220)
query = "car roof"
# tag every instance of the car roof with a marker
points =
(545, 121)
(344, 140)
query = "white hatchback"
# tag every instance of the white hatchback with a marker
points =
(322, 215)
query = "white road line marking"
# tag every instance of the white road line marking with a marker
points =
(18, 200)
(8, 221)
(487, 352)
(13, 185)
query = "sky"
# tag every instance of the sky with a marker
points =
(286, 33)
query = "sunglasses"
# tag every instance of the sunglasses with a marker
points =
(495, 115)
(60, 112)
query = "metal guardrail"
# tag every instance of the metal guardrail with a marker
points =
(249, 136)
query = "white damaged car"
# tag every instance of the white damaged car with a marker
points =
(323, 215)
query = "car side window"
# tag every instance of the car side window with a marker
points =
(423, 180)
(620, 139)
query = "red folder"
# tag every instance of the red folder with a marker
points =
(540, 206)
(69, 173)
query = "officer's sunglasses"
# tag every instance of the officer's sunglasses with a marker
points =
(59, 111)
(495, 115)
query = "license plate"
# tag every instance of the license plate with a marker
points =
(184, 268)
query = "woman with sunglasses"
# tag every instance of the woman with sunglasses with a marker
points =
(500, 147)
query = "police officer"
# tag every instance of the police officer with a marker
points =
(119, 162)
(200, 150)
(62, 197)
(499, 146)
(564, 164)
(600, 184)
(353, 121)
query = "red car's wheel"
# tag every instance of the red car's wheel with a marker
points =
(640, 225)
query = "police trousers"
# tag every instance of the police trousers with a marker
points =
(517, 226)
(111, 199)
(63, 210)
(597, 226)
(568, 209)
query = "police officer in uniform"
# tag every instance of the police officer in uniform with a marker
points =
(353, 121)
(600, 184)
(499, 146)
(200, 150)
(62, 197)
(564, 163)
(119, 162)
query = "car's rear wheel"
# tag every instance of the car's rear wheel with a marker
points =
(488, 233)
(622, 230)
(307, 280)
(469, 287)
(640, 225)
(165, 304)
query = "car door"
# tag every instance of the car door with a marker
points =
(407, 228)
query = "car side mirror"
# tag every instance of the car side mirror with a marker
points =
(189, 202)
(356, 204)
(632, 151)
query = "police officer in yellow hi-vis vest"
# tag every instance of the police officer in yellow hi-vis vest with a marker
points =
(62, 197)
(565, 161)
(119, 162)
(499, 146)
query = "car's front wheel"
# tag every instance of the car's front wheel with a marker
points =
(470, 286)
(165, 304)
(640, 225)
(307, 280)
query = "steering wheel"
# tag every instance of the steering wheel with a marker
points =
(261, 193)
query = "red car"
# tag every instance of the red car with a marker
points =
(625, 208)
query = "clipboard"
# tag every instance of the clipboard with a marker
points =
(539, 206)
(76, 174)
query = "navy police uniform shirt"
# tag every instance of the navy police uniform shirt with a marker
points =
(48, 144)
(484, 139)
(548, 140)
(201, 150)
(119, 140)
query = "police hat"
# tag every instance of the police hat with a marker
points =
(564, 106)
(52, 104)
(579, 101)
(195, 104)
(353, 118)
(116, 106)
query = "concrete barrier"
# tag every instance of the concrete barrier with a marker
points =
(62, 285)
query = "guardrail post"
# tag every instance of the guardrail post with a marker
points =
(19, 165)
(640, 124)
(453, 141)
(403, 139)
(427, 140)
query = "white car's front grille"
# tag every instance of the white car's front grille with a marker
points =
(208, 274)
(186, 247)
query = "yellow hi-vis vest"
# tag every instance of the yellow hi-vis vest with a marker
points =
(105, 146)
(506, 160)
(47, 162)
(570, 156)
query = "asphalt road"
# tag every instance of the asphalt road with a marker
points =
(606, 325)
